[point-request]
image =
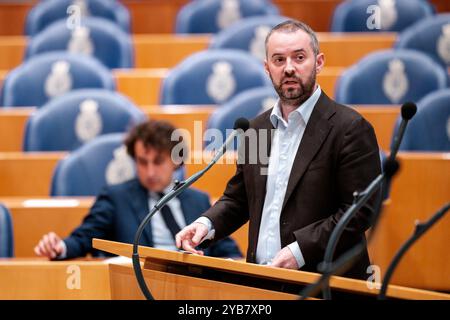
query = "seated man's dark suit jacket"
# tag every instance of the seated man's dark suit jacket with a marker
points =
(118, 211)
(338, 155)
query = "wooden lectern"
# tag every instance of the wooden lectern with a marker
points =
(183, 276)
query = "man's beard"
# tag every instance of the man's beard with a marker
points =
(296, 96)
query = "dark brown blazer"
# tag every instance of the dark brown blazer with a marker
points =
(338, 155)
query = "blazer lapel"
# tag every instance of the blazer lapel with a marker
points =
(139, 203)
(315, 134)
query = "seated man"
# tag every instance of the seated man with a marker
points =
(119, 209)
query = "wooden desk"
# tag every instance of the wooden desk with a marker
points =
(40, 279)
(32, 218)
(27, 174)
(13, 121)
(420, 188)
(166, 50)
(174, 275)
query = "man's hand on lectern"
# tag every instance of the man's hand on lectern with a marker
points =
(190, 236)
(49, 246)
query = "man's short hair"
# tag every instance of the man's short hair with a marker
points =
(293, 26)
(154, 134)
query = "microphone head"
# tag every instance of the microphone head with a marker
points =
(409, 109)
(390, 167)
(241, 123)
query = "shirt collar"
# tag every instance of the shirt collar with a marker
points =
(304, 110)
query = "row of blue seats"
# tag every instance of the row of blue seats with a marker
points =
(74, 119)
(113, 46)
(215, 76)
(213, 16)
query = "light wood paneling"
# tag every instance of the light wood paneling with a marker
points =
(164, 259)
(142, 86)
(27, 174)
(166, 286)
(39, 279)
(32, 219)
(12, 51)
(421, 187)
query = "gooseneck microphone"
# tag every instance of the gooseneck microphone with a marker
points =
(241, 125)
(408, 110)
(419, 231)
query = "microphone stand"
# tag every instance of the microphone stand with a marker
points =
(419, 231)
(178, 188)
(327, 267)
(408, 110)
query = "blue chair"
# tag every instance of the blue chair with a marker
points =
(96, 36)
(429, 130)
(212, 77)
(49, 11)
(214, 15)
(247, 104)
(390, 77)
(395, 15)
(102, 161)
(431, 36)
(6, 233)
(51, 74)
(69, 121)
(248, 35)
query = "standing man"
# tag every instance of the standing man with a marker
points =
(119, 209)
(320, 153)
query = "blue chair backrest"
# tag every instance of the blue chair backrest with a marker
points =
(431, 36)
(390, 77)
(214, 15)
(247, 104)
(49, 11)
(248, 35)
(51, 74)
(6, 233)
(212, 77)
(69, 121)
(378, 15)
(429, 129)
(102, 161)
(95, 36)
